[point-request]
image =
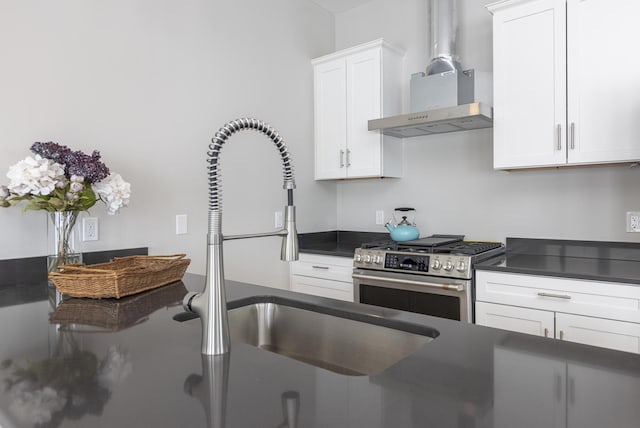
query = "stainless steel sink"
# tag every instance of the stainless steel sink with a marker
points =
(335, 343)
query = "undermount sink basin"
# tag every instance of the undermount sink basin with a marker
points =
(332, 342)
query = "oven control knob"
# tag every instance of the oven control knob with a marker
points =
(367, 258)
(460, 267)
(436, 265)
(448, 266)
(358, 258)
(377, 260)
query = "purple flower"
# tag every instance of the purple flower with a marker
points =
(75, 162)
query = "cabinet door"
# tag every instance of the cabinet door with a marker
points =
(364, 94)
(529, 391)
(601, 397)
(529, 54)
(330, 119)
(623, 336)
(604, 88)
(522, 320)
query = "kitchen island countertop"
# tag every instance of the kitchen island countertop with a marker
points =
(140, 367)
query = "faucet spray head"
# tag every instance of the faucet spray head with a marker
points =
(289, 250)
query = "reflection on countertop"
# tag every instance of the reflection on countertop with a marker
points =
(148, 371)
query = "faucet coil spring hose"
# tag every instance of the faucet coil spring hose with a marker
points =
(221, 137)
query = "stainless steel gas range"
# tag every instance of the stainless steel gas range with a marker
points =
(431, 276)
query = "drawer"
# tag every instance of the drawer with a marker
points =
(325, 267)
(574, 296)
(323, 287)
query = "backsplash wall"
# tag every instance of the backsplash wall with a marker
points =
(449, 178)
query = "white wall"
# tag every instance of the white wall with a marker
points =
(148, 82)
(449, 177)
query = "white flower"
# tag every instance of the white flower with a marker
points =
(35, 176)
(115, 367)
(77, 178)
(75, 186)
(35, 406)
(114, 191)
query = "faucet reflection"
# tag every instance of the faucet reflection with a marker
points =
(211, 303)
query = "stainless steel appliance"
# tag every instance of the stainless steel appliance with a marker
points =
(431, 276)
(444, 98)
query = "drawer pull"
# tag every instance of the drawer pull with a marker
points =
(557, 296)
(320, 267)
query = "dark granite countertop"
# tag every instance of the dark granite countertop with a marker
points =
(600, 261)
(128, 363)
(336, 242)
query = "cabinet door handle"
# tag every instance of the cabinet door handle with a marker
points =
(556, 296)
(320, 267)
(558, 387)
(573, 136)
(546, 332)
(348, 158)
(559, 137)
(341, 158)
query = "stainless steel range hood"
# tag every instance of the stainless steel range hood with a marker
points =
(445, 98)
(449, 119)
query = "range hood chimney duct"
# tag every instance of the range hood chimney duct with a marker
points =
(445, 98)
(444, 30)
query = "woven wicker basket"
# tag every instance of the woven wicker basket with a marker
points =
(115, 315)
(121, 277)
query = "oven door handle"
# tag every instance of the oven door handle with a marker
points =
(458, 287)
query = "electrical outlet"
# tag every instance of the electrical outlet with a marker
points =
(379, 217)
(633, 221)
(278, 220)
(181, 224)
(90, 229)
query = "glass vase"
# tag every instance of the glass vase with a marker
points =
(62, 248)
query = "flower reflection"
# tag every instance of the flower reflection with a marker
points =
(69, 384)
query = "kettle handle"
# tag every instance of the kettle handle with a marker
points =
(404, 209)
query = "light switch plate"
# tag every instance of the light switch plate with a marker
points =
(181, 224)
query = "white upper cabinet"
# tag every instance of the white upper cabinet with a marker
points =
(566, 91)
(352, 87)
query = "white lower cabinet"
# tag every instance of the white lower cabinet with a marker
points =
(325, 276)
(594, 313)
(623, 336)
(522, 320)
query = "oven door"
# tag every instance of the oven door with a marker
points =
(428, 295)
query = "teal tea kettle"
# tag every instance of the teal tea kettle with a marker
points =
(405, 230)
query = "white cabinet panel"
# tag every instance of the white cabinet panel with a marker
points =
(351, 87)
(522, 320)
(330, 119)
(530, 85)
(320, 275)
(603, 83)
(591, 312)
(566, 86)
(623, 336)
(582, 297)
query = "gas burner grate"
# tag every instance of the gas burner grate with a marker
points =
(468, 248)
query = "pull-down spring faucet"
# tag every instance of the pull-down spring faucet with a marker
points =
(211, 303)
